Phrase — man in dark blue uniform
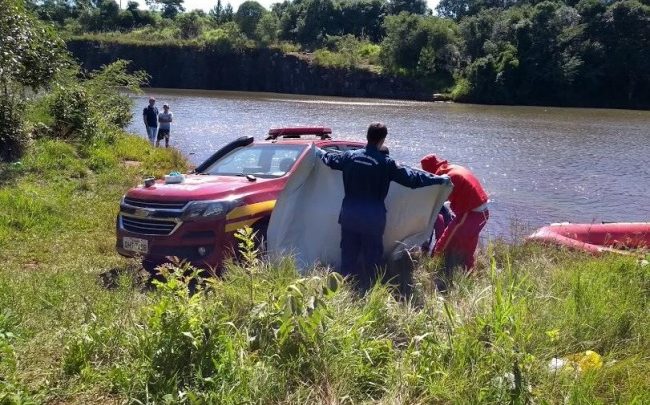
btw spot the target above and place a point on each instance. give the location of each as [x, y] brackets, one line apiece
[367, 174]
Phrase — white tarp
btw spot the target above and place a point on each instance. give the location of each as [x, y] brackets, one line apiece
[304, 222]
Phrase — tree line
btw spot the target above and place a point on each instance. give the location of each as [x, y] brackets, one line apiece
[566, 52]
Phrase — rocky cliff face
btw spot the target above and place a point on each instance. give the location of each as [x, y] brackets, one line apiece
[264, 70]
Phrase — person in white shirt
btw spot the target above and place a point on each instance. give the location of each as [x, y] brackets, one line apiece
[165, 124]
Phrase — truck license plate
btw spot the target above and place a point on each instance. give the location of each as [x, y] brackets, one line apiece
[137, 245]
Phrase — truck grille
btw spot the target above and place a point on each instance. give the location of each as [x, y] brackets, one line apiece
[167, 205]
[147, 226]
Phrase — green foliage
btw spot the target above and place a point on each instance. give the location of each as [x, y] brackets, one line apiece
[71, 111]
[169, 8]
[556, 53]
[220, 14]
[13, 139]
[191, 25]
[462, 90]
[107, 16]
[407, 6]
[585, 52]
[31, 56]
[347, 52]
[362, 18]
[93, 108]
[268, 29]
[226, 38]
[426, 47]
[248, 16]
[310, 22]
[31, 52]
[10, 390]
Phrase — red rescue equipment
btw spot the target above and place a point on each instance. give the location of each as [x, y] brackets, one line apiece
[596, 238]
[297, 132]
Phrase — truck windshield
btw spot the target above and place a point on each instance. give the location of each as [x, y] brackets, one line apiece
[266, 161]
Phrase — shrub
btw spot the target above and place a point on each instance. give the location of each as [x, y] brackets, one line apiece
[226, 38]
[191, 25]
[31, 54]
[346, 52]
[73, 115]
[323, 57]
[13, 138]
[462, 90]
[91, 109]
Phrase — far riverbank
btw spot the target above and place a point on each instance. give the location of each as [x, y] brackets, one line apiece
[191, 66]
[254, 70]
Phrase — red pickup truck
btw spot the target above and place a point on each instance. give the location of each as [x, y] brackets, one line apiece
[237, 186]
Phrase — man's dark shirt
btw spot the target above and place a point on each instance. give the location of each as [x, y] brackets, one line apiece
[367, 174]
[151, 115]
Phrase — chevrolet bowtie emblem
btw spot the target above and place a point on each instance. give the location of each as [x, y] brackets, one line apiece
[141, 213]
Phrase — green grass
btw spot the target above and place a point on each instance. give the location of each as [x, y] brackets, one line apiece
[263, 334]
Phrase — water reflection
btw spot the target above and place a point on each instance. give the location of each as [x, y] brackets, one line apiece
[539, 164]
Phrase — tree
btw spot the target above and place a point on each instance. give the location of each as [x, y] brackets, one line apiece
[625, 35]
[228, 14]
[476, 31]
[317, 19]
[170, 8]
[288, 13]
[421, 46]
[191, 24]
[455, 9]
[56, 11]
[108, 13]
[363, 18]
[32, 54]
[106, 17]
[216, 12]
[248, 16]
[220, 14]
[409, 6]
[268, 28]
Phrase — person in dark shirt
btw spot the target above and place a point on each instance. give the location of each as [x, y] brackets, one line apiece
[367, 174]
[150, 117]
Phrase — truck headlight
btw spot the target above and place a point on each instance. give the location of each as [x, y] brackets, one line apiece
[208, 209]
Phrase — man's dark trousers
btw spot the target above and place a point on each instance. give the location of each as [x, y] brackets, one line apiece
[361, 256]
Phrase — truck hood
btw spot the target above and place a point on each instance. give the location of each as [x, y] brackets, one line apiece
[196, 187]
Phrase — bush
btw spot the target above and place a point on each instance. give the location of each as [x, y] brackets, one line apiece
[422, 46]
[73, 115]
[191, 25]
[462, 90]
[226, 38]
[323, 57]
[13, 138]
[31, 55]
[346, 52]
[88, 110]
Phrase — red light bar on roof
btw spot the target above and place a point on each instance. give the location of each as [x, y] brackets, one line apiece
[296, 132]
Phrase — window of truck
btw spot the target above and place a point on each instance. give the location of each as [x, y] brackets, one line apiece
[266, 161]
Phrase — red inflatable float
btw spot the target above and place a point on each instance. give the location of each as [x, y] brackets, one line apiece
[596, 238]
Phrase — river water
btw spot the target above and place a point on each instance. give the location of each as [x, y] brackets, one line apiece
[538, 164]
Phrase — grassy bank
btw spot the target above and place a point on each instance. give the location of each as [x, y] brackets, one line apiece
[265, 335]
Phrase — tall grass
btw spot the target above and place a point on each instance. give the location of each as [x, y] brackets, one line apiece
[266, 334]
